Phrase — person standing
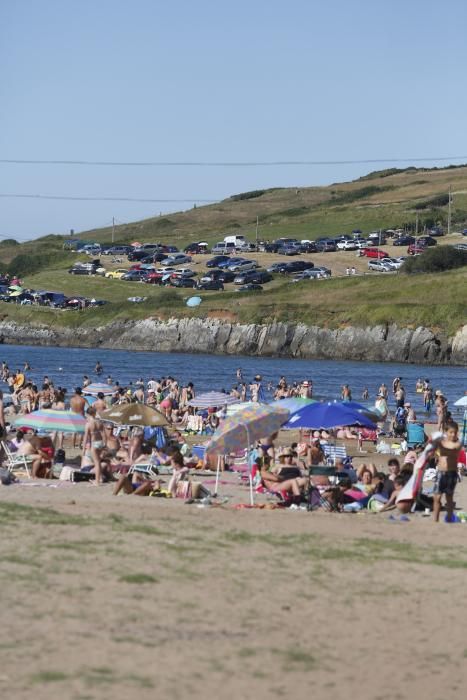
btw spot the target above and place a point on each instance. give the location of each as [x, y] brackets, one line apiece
[447, 454]
[78, 405]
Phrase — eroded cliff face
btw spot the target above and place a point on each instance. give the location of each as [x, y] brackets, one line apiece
[379, 343]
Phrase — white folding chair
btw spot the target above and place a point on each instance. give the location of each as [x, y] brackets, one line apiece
[16, 462]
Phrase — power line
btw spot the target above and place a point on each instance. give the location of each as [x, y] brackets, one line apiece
[107, 199]
[227, 164]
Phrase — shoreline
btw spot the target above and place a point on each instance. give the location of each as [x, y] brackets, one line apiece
[288, 340]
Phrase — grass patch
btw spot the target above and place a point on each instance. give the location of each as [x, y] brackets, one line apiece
[49, 677]
[138, 578]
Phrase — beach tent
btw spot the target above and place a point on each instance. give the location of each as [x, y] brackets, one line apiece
[212, 399]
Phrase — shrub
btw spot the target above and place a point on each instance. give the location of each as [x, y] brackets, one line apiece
[27, 264]
[439, 201]
[436, 260]
[8, 241]
[247, 195]
[361, 193]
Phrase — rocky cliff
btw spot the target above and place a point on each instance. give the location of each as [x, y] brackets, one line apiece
[379, 343]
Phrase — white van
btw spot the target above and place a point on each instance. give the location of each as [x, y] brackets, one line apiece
[236, 240]
[223, 248]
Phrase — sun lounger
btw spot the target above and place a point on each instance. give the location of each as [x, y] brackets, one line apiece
[16, 462]
[415, 434]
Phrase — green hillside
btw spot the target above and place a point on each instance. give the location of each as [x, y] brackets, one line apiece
[392, 198]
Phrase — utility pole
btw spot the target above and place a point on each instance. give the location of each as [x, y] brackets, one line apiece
[256, 237]
[416, 224]
[449, 210]
[113, 229]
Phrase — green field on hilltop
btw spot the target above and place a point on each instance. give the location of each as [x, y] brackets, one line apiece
[433, 300]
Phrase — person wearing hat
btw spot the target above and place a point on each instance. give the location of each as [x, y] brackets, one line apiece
[306, 390]
[411, 416]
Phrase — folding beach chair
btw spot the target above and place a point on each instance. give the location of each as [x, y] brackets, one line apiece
[415, 434]
[333, 453]
[16, 462]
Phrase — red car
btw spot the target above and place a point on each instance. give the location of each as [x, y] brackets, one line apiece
[373, 253]
[416, 249]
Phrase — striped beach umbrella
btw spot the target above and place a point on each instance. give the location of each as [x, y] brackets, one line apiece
[97, 388]
[50, 420]
[212, 399]
[256, 421]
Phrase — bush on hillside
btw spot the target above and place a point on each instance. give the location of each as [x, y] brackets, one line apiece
[439, 201]
[247, 195]
[27, 264]
[436, 260]
[8, 242]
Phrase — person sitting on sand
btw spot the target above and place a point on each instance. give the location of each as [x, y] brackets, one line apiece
[273, 482]
[403, 507]
[179, 472]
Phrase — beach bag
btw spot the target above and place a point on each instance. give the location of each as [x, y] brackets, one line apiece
[66, 474]
[6, 477]
[59, 456]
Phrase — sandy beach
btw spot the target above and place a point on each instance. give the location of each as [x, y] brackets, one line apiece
[124, 597]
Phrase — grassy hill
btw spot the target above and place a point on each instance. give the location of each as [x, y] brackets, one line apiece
[385, 199]
[391, 198]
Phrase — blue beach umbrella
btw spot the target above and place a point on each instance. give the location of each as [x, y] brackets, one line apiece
[327, 416]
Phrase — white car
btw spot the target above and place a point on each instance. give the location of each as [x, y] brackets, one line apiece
[379, 266]
[243, 266]
[347, 245]
[360, 243]
[393, 263]
[184, 272]
[166, 270]
[176, 259]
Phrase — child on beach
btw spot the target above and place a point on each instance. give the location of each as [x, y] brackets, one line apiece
[447, 477]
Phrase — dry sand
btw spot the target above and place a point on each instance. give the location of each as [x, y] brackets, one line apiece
[111, 598]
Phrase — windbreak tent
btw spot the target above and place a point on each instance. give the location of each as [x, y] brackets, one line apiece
[212, 399]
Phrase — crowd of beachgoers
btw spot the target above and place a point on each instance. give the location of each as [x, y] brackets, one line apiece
[311, 469]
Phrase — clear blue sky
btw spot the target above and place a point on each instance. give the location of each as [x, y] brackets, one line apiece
[217, 81]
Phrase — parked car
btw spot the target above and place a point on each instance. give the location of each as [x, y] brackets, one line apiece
[250, 287]
[184, 272]
[211, 285]
[222, 275]
[392, 263]
[157, 277]
[214, 262]
[176, 259]
[230, 261]
[404, 240]
[256, 276]
[436, 231]
[377, 237]
[326, 246]
[182, 282]
[373, 253]
[308, 246]
[223, 248]
[346, 245]
[135, 275]
[136, 255]
[313, 274]
[90, 268]
[296, 266]
[276, 267]
[243, 265]
[360, 243]
[116, 274]
[416, 249]
[197, 248]
[121, 250]
[427, 241]
[170, 249]
[290, 249]
[378, 266]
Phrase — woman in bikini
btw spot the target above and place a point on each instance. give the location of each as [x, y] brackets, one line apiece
[94, 439]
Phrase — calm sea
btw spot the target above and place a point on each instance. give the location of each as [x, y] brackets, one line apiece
[66, 366]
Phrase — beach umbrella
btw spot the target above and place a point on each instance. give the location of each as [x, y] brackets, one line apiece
[134, 414]
[194, 301]
[97, 388]
[15, 288]
[369, 413]
[293, 404]
[211, 399]
[327, 416]
[48, 419]
[235, 407]
[255, 421]
[241, 430]
[462, 402]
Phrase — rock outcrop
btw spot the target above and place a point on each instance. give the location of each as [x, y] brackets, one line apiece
[211, 335]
